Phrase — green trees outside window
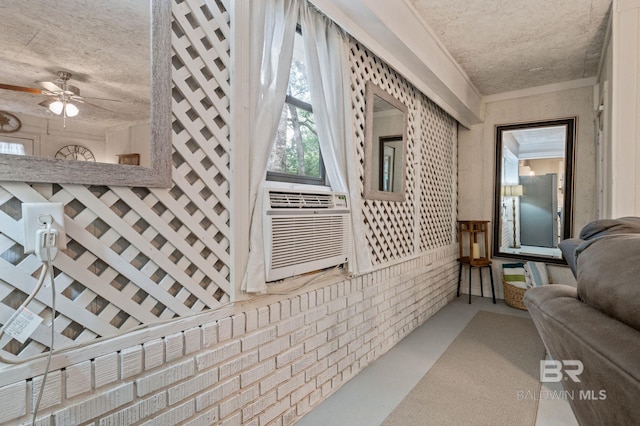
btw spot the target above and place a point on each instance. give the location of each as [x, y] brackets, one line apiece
[295, 155]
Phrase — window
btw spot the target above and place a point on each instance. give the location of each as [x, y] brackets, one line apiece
[11, 148]
[295, 155]
[16, 145]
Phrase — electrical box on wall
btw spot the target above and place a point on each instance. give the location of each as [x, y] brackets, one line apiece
[36, 216]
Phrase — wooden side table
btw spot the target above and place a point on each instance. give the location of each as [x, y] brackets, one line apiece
[474, 251]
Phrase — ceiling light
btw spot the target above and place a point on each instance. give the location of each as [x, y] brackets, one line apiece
[56, 107]
[536, 69]
[71, 110]
[62, 106]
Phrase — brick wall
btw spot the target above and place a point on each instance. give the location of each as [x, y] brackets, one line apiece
[265, 365]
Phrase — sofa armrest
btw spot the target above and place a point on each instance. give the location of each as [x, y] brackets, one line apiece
[550, 292]
[608, 349]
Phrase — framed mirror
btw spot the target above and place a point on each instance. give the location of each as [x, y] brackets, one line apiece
[385, 145]
[85, 89]
[533, 189]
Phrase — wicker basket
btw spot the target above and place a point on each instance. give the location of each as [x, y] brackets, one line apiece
[513, 295]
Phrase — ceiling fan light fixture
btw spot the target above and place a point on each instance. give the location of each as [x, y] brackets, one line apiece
[72, 110]
[56, 107]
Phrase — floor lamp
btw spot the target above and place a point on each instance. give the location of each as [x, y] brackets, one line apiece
[513, 191]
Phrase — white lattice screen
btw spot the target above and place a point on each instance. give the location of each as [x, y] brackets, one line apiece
[438, 165]
[131, 259]
[397, 229]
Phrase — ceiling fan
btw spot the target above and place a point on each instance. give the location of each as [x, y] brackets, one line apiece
[61, 95]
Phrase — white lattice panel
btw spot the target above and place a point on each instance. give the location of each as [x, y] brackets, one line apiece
[137, 255]
[392, 227]
[438, 166]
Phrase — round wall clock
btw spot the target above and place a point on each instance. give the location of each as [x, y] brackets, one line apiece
[9, 123]
[75, 152]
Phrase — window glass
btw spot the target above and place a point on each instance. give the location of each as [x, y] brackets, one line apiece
[16, 145]
[12, 148]
[295, 155]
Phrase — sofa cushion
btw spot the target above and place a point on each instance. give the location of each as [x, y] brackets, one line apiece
[609, 276]
[568, 248]
[602, 227]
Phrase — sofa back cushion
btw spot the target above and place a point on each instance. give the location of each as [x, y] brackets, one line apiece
[568, 248]
[603, 227]
[609, 276]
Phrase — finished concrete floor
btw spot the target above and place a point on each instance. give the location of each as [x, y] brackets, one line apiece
[368, 398]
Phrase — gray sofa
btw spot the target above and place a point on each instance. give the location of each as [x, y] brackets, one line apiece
[597, 323]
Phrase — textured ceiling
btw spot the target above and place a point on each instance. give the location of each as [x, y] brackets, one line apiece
[506, 45]
[540, 142]
[502, 45]
[105, 44]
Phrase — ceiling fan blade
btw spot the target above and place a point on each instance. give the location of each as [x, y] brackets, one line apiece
[101, 99]
[50, 86]
[73, 90]
[21, 89]
[47, 102]
[97, 106]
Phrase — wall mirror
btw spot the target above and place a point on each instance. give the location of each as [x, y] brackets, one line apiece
[533, 189]
[385, 145]
[85, 92]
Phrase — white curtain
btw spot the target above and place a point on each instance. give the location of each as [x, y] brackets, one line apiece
[328, 69]
[273, 24]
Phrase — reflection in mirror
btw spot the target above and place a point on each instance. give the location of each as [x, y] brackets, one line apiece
[86, 81]
[385, 149]
[533, 189]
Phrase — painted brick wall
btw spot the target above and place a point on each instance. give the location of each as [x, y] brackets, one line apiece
[270, 364]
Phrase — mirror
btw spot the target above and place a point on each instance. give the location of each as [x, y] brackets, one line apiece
[533, 189]
[85, 55]
[385, 145]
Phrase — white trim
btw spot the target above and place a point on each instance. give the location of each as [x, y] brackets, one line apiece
[627, 5]
[239, 149]
[388, 30]
[441, 46]
[625, 132]
[540, 90]
[605, 45]
[106, 345]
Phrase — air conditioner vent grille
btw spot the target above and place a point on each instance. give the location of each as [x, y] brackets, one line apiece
[300, 200]
[298, 240]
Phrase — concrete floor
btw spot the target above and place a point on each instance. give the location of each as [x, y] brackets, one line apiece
[371, 396]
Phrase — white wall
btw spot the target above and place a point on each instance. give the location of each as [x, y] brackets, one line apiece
[49, 135]
[476, 155]
[620, 90]
[129, 140]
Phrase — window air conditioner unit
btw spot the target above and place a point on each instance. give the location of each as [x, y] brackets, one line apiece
[304, 231]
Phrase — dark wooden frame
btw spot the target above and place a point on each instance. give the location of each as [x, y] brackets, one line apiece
[383, 140]
[571, 124]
